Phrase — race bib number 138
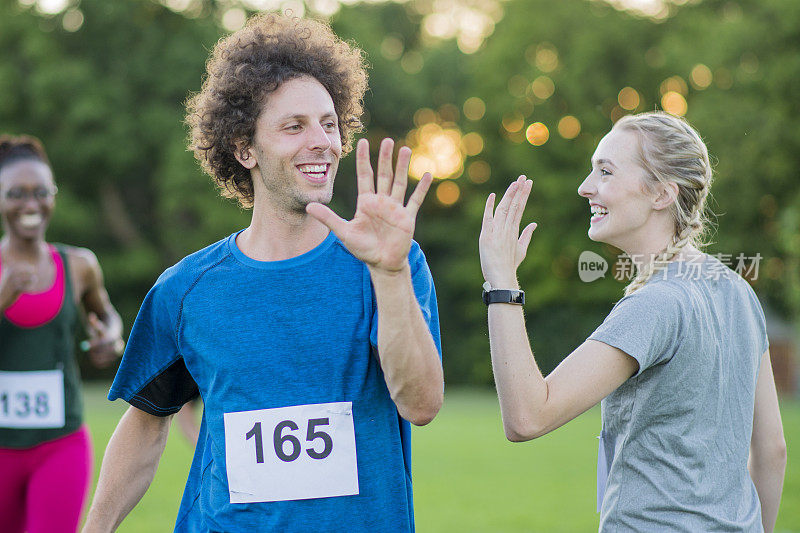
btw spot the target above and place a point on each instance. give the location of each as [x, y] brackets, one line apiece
[32, 399]
[291, 453]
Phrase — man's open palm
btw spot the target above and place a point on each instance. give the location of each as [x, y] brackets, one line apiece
[381, 231]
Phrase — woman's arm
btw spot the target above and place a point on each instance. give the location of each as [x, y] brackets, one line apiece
[104, 324]
[14, 281]
[532, 405]
[767, 463]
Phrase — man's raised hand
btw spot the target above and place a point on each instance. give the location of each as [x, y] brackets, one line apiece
[381, 231]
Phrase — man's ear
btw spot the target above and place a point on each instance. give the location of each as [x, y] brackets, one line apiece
[243, 153]
[668, 193]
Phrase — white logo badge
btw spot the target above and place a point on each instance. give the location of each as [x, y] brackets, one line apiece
[591, 266]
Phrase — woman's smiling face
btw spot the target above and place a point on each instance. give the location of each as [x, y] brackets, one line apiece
[27, 198]
[621, 205]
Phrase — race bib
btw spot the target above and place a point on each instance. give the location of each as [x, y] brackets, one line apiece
[32, 399]
[291, 453]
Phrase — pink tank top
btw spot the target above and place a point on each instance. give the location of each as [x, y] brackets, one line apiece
[35, 309]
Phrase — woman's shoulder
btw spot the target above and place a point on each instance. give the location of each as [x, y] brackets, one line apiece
[78, 256]
[81, 261]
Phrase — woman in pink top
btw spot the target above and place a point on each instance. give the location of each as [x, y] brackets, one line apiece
[45, 453]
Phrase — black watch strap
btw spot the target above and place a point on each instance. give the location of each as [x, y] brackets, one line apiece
[503, 296]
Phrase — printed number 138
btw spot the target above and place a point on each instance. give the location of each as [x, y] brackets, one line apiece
[279, 440]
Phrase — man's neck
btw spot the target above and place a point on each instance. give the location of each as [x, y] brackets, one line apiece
[277, 235]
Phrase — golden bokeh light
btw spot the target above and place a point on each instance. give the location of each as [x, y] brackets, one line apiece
[392, 47]
[617, 113]
[448, 112]
[439, 25]
[628, 98]
[516, 137]
[420, 164]
[513, 122]
[546, 57]
[543, 56]
[73, 20]
[674, 103]
[469, 43]
[701, 77]
[437, 147]
[234, 18]
[448, 192]
[524, 107]
[479, 171]
[543, 87]
[474, 108]
[472, 143]
[674, 84]
[569, 127]
[470, 23]
[424, 116]
[537, 134]
[412, 62]
[517, 85]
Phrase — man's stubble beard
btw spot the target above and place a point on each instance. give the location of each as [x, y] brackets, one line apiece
[290, 197]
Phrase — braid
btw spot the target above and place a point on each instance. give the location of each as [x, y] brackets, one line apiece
[670, 150]
[643, 275]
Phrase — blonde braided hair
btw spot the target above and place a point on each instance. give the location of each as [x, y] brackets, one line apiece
[670, 150]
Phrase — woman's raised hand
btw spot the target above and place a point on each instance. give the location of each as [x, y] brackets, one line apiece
[502, 247]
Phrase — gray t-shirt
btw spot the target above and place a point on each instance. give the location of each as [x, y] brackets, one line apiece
[676, 436]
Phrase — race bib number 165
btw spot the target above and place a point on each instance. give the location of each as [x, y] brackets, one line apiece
[291, 453]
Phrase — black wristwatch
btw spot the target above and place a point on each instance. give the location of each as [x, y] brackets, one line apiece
[502, 296]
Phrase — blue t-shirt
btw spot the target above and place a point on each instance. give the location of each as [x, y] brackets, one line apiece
[249, 335]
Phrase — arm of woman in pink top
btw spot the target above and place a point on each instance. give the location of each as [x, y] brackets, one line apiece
[104, 324]
[14, 280]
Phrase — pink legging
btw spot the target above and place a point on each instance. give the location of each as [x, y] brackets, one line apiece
[43, 488]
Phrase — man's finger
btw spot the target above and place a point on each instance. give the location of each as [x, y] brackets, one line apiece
[401, 174]
[364, 177]
[385, 175]
[323, 213]
[489, 209]
[418, 196]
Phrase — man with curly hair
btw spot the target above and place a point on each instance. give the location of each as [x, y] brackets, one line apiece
[313, 341]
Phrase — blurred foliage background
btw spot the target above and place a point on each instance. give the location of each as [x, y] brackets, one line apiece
[483, 90]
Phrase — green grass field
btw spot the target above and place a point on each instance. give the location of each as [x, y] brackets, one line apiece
[467, 477]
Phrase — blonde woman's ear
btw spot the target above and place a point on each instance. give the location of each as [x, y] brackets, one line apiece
[668, 193]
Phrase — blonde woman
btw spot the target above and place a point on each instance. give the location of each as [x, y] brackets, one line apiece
[681, 365]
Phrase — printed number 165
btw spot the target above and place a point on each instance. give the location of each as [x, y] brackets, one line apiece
[279, 440]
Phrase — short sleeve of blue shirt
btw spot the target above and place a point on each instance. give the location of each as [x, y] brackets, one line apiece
[152, 375]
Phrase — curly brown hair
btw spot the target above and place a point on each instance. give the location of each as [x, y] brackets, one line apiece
[245, 67]
[15, 148]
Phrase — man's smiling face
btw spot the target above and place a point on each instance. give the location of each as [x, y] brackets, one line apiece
[297, 145]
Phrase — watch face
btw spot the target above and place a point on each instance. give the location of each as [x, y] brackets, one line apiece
[486, 286]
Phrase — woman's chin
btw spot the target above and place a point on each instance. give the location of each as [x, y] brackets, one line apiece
[594, 234]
